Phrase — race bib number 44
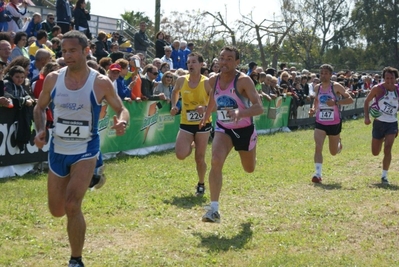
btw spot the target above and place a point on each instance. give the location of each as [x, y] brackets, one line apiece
[72, 130]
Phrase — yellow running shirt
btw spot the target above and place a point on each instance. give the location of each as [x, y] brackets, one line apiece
[191, 99]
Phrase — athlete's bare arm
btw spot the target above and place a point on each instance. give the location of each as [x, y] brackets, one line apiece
[175, 95]
[339, 89]
[376, 90]
[39, 112]
[105, 90]
[246, 87]
[312, 111]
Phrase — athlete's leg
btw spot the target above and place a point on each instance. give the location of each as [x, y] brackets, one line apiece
[319, 137]
[389, 140]
[221, 147]
[201, 143]
[183, 144]
[80, 176]
[56, 188]
[333, 141]
[376, 146]
[248, 159]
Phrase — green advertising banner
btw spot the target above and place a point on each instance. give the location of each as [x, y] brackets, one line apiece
[152, 126]
[280, 107]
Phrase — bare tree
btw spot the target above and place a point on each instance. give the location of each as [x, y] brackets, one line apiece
[275, 29]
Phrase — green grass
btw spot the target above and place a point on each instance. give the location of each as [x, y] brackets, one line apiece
[147, 214]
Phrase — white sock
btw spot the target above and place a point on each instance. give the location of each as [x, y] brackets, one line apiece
[318, 169]
[384, 173]
[215, 205]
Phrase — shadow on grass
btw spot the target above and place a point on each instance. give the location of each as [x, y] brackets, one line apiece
[387, 187]
[329, 186]
[216, 242]
[186, 202]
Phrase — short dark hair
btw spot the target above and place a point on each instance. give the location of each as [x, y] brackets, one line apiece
[55, 28]
[16, 69]
[232, 49]
[19, 35]
[327, 67]
[390, 70]
[82, 39]
[198, 55]
[41, 34]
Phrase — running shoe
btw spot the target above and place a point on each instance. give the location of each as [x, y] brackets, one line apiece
[384, 180]
[316, 179]
[75, 263]
[200, 190]
[98, 179]
[211, 216]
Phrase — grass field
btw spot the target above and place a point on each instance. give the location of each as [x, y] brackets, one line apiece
[147, 215]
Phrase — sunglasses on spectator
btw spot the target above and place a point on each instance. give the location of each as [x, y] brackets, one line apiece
[155, 73]
[51, 18]
[168, 77]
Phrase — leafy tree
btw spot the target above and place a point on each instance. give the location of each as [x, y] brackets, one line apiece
[378, 23]
[319, 23]
[134, 19]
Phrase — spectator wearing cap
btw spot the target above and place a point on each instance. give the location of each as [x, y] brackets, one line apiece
[271, 71]
[251, 67]
[113, 74]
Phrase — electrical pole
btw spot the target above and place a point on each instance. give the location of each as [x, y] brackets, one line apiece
[157, 15]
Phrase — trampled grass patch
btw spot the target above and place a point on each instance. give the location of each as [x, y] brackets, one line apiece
[147, 215]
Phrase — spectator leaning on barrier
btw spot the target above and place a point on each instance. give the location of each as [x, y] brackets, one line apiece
[148, 84]
[23, 103]
[123, 91]
[5, 102]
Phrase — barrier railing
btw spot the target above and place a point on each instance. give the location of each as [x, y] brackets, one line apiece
[151, 128]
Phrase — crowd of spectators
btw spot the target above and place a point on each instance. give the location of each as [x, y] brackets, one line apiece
[30, 48]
